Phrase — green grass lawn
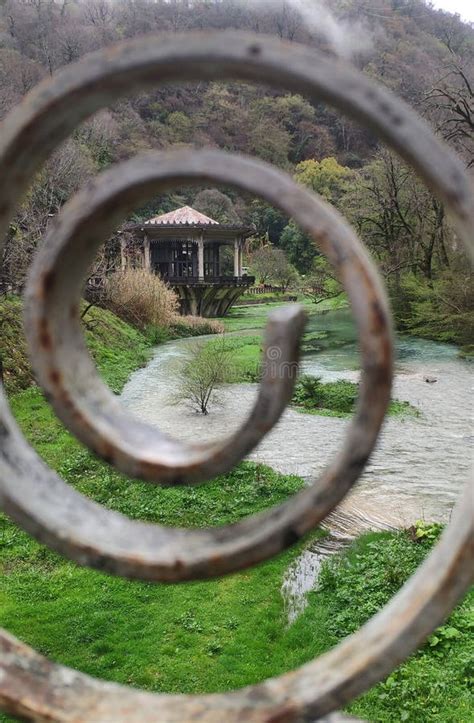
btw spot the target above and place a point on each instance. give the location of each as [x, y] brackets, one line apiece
[240, 318]
[185, 637]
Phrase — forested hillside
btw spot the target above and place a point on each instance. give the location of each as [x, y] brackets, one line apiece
[425, 56]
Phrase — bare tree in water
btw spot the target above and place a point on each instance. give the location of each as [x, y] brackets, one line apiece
[207, 367]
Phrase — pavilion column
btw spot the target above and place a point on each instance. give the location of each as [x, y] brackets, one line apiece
[201, 259]
[146, 253]
[237, 270]
[241, 254]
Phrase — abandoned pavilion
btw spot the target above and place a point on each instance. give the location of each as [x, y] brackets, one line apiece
[184, 248]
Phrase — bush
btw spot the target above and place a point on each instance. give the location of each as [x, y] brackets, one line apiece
[338, 398]
[196, 326]
[158, 335]
[442, 310]
[207, 367]
[312, 393]
[141, 298]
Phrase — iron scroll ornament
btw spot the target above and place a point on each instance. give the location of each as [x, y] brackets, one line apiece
[35, 497]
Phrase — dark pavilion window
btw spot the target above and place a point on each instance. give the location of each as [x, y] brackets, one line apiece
[211, 260]
[174, 259]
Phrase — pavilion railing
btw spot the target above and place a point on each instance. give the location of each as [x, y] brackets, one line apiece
[56, 514]
[233, 280]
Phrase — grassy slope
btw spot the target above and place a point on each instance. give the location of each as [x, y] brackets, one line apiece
[117, 347]
[163, 637]
[97, 623]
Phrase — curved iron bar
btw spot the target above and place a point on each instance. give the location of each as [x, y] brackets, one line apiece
[93, 535]
[68, 375]
[31, 686]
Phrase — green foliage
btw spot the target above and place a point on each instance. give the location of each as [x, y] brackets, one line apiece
[311, 393]
[158, 334]
[179, 127]
[326, 177]
[117, 348]
[391, 560]
[320, 284]
[268, 221]
[300, 249]
[269, 141]
[330, 180]
[435, 684]
[441, 310]
[336, 398]
[217, 205]
[427, 530]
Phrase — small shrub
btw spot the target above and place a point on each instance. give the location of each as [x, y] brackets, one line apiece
[308, 391]
[141, 298]
[422, 530]
[206, 368]
[312, 393]
[158, 334]
[340, 396]
[196, 326]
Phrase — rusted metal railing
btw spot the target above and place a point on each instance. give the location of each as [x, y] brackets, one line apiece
[44, 505]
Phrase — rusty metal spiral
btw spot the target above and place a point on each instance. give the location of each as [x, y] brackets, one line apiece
[35, 497]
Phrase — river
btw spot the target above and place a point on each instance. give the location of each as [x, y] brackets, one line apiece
[420, 463]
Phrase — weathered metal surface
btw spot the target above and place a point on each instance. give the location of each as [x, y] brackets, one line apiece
[33, 495]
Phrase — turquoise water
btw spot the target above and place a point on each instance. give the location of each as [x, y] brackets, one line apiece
[420, 463]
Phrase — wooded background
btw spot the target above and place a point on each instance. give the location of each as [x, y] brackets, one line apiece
[424, 55]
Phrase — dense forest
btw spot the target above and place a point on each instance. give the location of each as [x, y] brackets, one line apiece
[424, 55]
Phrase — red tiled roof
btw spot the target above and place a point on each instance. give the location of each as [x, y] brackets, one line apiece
[185, 216]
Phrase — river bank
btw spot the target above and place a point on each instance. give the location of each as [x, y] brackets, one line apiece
[420, 462]
[208, 636]
[417, 470]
